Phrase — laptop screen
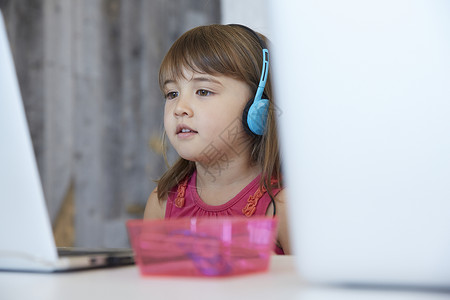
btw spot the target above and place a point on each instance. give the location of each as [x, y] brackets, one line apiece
[363, 91]
[24, 222]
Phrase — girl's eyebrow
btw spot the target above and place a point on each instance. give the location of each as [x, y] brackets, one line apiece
[207, 79]
[168, 81]
[197, 79]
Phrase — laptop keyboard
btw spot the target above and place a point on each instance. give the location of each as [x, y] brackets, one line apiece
[68, 251]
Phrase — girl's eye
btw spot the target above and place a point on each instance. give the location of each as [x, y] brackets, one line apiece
[204, 93]
[171, 95]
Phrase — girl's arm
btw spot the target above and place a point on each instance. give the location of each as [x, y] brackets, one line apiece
[154, 209]
[282, 215]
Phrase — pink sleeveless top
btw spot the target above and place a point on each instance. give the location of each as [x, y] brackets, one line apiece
[184, 201]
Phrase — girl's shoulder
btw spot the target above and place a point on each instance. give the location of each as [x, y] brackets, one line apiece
[280, 196]
[155, 207]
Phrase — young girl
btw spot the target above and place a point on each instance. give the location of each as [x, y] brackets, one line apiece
[229, 158]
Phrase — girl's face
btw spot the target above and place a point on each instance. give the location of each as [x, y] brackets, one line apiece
[203, 116]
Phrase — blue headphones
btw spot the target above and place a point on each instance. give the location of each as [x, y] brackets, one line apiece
[255, 113]
[259, 108]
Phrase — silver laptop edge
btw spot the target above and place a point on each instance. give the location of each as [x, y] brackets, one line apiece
[26, 238]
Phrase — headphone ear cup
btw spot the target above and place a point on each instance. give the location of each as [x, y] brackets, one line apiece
[255, 116]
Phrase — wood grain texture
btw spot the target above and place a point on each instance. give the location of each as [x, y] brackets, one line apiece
[87, 71]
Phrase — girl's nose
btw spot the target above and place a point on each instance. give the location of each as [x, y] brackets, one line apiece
[183, 107]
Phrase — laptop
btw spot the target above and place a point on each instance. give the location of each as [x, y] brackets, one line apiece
[26, 238]
[363, 98]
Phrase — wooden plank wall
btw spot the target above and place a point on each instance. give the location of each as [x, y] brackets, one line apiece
[88, 75]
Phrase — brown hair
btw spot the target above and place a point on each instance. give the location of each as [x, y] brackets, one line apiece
[233, 51]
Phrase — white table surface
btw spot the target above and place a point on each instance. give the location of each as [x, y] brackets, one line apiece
[280, 282]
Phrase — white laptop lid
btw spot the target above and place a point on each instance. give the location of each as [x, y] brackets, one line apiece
[26, 237]
[24, 221]
[363, 91]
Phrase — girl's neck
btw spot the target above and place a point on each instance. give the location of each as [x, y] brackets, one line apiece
[209, 177]
[217, 184]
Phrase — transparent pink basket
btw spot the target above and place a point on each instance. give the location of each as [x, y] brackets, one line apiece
[203, 246]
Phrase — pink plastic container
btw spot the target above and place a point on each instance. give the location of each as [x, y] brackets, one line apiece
[203, 246]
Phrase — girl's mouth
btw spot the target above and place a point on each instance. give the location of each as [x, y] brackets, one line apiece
[184, 131]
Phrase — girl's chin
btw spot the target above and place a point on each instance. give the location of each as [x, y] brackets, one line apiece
[188, 156]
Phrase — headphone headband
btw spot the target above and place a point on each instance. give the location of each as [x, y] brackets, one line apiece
[262, 43]
[264, 73]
